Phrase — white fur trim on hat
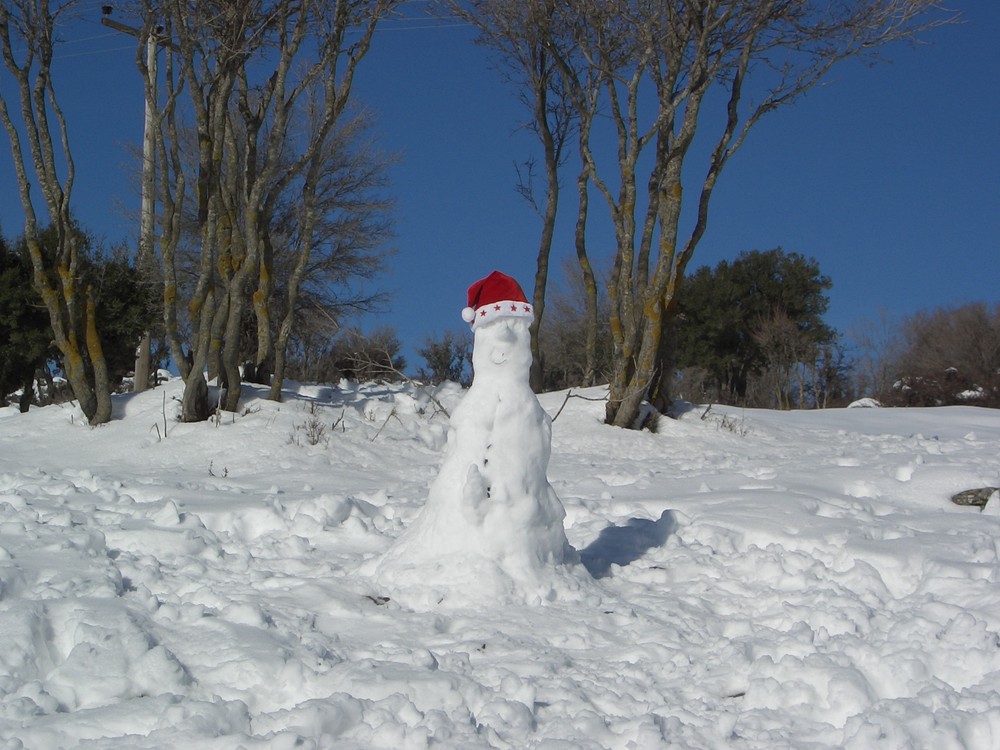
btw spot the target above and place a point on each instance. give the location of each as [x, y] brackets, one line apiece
[496, 310]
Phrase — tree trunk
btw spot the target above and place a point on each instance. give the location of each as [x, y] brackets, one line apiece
[262, 371]
[24, 403]
[280, 358]
[631, 387]
[64, 328]
[194, 404]
[550, 148]
[660, 396]
[140, 380]
[231, 352]
[294, 282]
[76, 376]
[102, 382]
[262, 310]
[589, 282]
[541, 282]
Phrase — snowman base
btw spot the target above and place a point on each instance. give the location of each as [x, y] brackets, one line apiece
[461, 581]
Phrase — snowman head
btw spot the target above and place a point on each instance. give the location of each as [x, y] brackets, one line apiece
[500, 316]
[502, 349]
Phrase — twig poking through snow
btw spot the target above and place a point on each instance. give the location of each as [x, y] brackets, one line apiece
[391, 415]
[569, 395]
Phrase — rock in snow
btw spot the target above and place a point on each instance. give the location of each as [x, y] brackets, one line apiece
[978, 497]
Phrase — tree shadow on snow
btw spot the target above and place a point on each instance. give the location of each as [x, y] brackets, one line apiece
[621, 545]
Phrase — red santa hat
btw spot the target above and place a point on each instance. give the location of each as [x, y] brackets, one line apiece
[496, 296]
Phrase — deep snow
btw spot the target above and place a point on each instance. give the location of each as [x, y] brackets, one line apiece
[762, 579]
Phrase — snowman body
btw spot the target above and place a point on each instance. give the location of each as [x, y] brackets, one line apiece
[492, 520]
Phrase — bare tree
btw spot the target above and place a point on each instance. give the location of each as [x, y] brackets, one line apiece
[326, 232]
[518, 31]
[801, 370]
[876, 342]
[613, 54]
[686, 51]
[251, 73]
[573, 351]
[40, 149]
[784, 347]
[448, 358]
[950, 355]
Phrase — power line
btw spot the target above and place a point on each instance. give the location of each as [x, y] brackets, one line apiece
[87, 38]
[410, 23]
[95, 52]
[420, 28]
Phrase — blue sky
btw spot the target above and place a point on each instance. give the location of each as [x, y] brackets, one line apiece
[888, 175]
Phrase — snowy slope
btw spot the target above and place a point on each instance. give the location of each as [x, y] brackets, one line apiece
[761, 580]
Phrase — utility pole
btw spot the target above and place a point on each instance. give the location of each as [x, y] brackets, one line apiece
[146, 220]
[140, 381]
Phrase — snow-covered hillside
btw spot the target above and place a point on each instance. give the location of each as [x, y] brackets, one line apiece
[760, 580]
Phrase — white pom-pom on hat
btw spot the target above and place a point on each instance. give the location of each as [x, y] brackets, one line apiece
[468, 314]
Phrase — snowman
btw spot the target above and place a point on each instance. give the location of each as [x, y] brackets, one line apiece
[492, 526]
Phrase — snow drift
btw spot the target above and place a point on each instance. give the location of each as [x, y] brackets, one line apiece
[759, 580]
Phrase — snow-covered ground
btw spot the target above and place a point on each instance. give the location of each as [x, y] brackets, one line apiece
[760, 580]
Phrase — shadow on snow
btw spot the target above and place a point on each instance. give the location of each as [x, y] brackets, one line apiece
[621, 545]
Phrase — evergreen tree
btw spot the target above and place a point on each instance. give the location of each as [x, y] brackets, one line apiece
[723, 309]
[25, 333]
[126, 308]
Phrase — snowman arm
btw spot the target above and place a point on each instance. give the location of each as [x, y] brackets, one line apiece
[475, 494]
